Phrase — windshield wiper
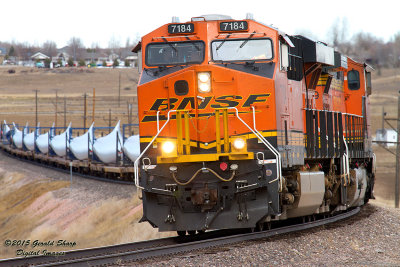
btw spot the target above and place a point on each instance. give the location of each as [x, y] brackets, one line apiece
[223, 41]
[245, 41]
[225, 62]
[193, 43]
[170, 45]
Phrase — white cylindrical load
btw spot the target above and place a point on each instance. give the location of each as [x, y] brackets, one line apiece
[42, 142]
[132, 147]
[6, 130]
[17, 137]
[81, 145]
[105, 148]
[29, 139]
[59, 143]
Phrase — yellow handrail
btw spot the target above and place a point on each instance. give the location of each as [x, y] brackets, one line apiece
[217, 132]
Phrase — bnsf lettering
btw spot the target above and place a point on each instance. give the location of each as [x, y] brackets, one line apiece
[255, 98]
[219, 102]
[185, 102]
[205, 103]
[162, 104]
[226, 102]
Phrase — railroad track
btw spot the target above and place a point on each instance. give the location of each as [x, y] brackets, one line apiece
[63, 170]
[131, 252]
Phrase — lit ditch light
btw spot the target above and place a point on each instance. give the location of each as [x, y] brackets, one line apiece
[238, 145]
[169, 149]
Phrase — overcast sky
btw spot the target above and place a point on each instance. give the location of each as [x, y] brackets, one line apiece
[97, 21]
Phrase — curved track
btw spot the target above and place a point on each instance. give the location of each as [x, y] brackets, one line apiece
[9, 153]
[131, 252]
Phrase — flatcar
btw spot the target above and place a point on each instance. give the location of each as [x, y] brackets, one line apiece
[241, 125]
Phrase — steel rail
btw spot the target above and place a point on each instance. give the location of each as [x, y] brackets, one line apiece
[160, 247]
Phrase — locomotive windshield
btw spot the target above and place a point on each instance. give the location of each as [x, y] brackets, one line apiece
[174, 53]
[242, 49]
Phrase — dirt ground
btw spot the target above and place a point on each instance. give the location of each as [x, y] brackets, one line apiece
[42, 204]
[113, 89]
[385, 93]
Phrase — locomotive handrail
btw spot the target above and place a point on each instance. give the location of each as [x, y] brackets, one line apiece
[136, 164]
[265, 142]
[346, 167]
[373, 163]
[255, 131]
[270, 147]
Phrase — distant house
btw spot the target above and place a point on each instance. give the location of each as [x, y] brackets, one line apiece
[3, 53]
[60, 57]
[131, 57]
[94, 57]
[387, 136]
[132, 60]
[39, 56]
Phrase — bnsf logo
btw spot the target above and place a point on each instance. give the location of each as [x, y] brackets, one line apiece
[219, 102]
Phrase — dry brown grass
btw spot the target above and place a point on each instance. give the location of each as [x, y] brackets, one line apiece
[385, 94]
[17, 98]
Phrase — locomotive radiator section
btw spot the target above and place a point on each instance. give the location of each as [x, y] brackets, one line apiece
[248, 195]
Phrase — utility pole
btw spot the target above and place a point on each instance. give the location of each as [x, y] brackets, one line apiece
[396, 191]
[109, 120]
[65, 111]
[55, 114]
[94, 103]
[84, 111]
[383, 119]
[129, 118]
[36, 109]
[119, 89]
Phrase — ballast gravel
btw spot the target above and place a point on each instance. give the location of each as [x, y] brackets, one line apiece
[370, 238]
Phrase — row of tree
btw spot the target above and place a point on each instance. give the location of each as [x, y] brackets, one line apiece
[365, 47]
[75, 48]
[362, 46]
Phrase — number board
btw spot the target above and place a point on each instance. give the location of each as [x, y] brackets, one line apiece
[233, 26]
[180, 28]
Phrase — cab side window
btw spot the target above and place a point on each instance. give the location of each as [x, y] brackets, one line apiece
[353, 79]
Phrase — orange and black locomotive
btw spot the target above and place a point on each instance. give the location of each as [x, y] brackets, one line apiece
[241, 125]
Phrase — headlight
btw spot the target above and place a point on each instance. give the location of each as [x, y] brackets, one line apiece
[168, 146]
[204, 88]
[204, 77]
[239, 143]
[204, 82]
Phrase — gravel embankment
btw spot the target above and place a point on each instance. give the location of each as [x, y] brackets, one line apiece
[92, 190]
[371, 238]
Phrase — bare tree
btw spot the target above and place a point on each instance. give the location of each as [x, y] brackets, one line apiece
[75, 47]
[128, 42]
[49, 48]
[395, 50]
[338, 35]
[115, 46]
[366, 47]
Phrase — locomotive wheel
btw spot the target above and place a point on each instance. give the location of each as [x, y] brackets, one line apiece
[192, 232]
